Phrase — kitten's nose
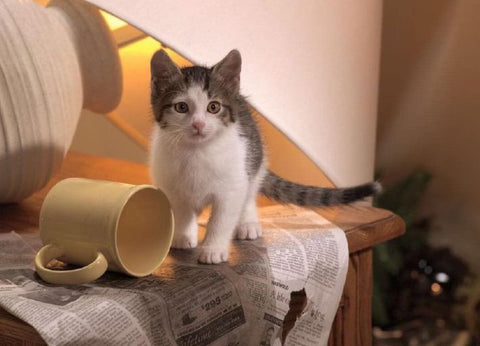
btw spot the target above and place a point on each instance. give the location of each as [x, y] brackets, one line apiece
[198, 125]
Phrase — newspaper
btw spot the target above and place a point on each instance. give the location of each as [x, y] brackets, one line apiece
[301, 261]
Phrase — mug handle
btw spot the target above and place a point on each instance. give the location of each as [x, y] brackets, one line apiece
[79, 276]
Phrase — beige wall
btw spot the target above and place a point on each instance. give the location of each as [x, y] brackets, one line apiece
[429, 111]
[96, 135]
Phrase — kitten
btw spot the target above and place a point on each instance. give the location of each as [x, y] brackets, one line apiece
[206, 150]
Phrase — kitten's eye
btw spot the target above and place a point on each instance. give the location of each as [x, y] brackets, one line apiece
[214, 107]
[181, 107]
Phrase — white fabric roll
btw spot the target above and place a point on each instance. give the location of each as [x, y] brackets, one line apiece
[48, 57]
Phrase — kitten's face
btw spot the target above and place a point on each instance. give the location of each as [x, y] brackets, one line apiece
[194, 104]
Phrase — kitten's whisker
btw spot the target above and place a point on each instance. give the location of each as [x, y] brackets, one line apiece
[174, 137]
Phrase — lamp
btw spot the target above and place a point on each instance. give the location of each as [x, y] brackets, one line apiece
[311, 68]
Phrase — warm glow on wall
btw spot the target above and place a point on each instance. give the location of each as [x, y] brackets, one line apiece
[112, 21]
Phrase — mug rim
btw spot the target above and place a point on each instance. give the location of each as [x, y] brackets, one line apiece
[134, 190]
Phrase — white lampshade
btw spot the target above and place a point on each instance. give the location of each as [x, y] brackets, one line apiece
[310, 67]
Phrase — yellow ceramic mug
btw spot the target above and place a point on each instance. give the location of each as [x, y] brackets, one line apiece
[101, 224]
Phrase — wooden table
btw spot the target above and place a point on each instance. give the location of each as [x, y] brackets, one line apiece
[364, 227]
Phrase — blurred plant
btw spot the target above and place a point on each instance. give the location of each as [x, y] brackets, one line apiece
[388, 258]
[421, 292]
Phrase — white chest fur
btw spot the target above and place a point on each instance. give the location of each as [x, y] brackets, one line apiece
[195, 174]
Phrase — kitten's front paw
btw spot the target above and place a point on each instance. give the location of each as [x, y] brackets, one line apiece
[183, 241]
[213, 254]
[248, 230]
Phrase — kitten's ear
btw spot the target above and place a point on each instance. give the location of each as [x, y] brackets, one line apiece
[163, 71]
[228, 70]
[162, 66]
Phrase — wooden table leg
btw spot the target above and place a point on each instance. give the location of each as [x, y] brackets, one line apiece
[353, 322]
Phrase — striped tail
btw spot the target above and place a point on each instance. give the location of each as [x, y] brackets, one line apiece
[284, 191]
